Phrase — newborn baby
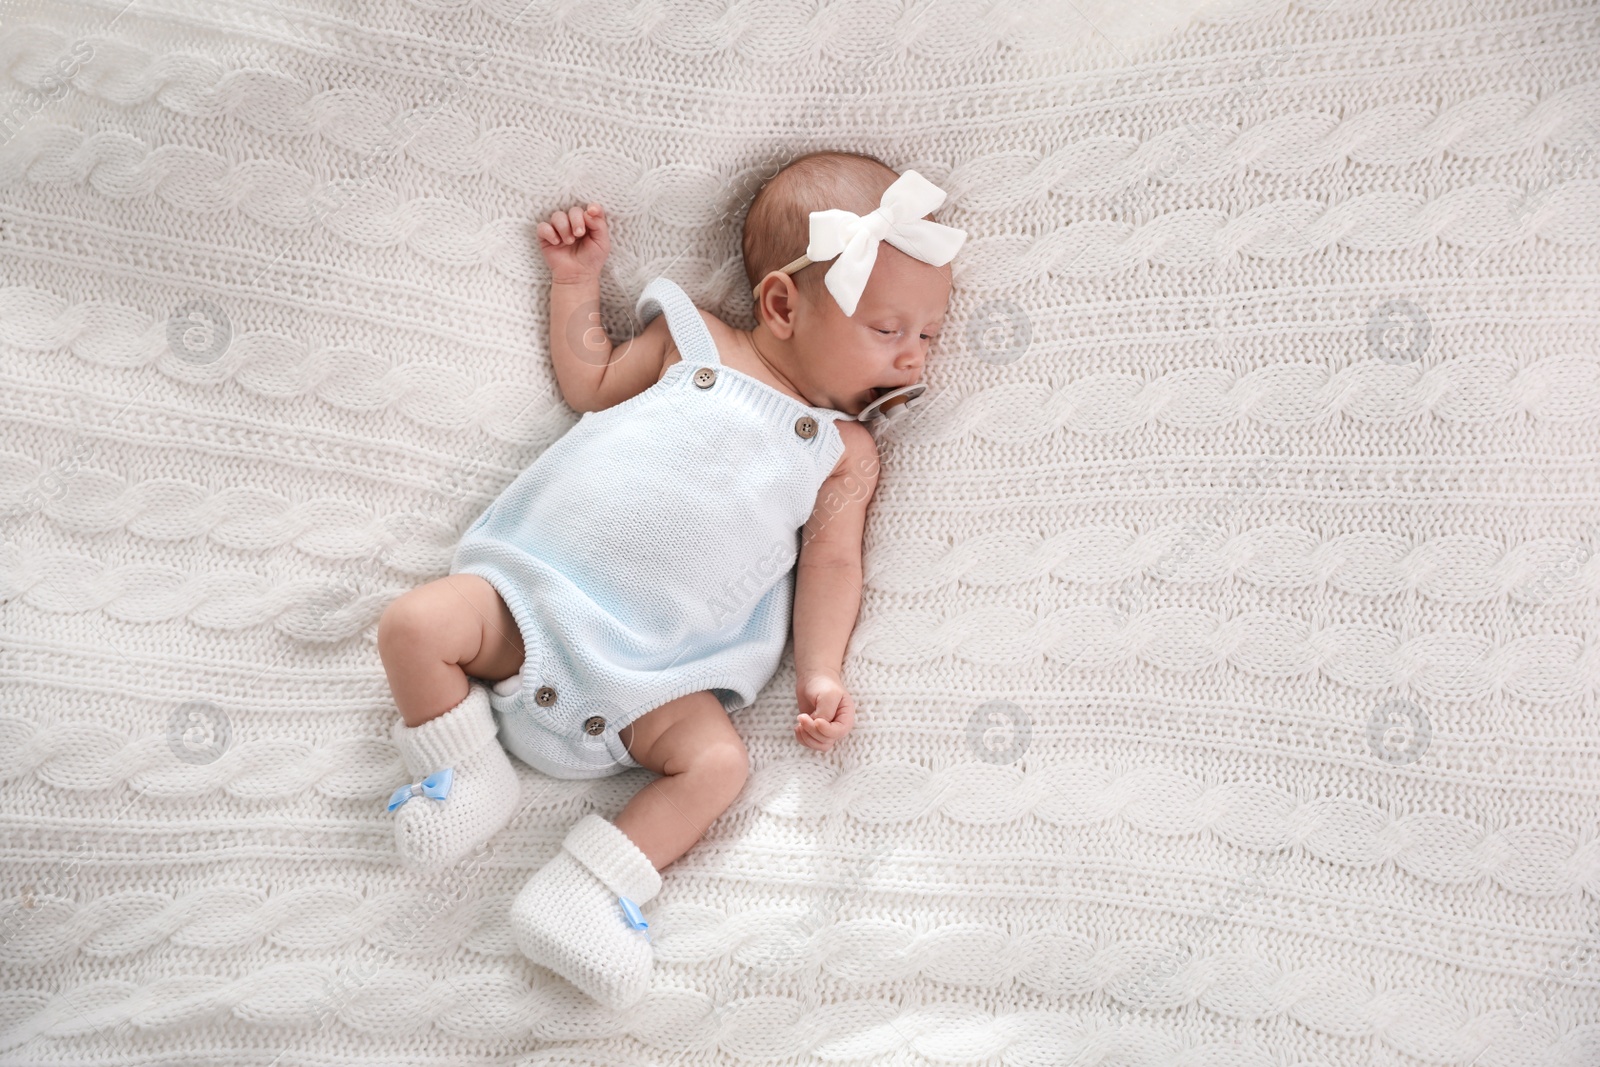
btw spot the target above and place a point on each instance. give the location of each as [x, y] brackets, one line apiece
[635, 584]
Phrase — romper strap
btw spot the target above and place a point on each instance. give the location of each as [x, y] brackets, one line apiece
[688, 329]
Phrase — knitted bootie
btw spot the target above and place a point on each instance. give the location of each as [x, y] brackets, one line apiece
[470, 792]
[570, 916]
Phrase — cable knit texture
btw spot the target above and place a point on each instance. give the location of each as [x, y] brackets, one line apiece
[568, 917]
[1229, 643]
[484, 789]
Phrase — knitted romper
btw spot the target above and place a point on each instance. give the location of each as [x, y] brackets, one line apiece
[649, 553]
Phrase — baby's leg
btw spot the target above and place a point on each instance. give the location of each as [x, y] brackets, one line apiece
[432, 637]
[572, 915]
[692, 743]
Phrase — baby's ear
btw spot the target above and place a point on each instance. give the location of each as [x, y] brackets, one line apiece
[779, 302]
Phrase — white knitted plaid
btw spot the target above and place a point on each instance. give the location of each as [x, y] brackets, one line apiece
[1227, 661]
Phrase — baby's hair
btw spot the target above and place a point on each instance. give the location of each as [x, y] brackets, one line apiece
[777, 228]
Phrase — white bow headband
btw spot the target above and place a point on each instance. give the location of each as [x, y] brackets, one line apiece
[854, 238]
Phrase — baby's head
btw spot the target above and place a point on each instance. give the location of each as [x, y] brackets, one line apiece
[837, 360]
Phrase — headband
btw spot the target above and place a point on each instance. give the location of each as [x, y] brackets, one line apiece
[854, 238]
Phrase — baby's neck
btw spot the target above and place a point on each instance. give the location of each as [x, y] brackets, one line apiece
[776, 356]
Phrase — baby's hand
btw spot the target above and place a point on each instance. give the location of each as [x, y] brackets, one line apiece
[827, 711]
[575, 243]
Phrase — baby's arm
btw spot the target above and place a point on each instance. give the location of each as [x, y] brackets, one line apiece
[592, 373]
[828, 591]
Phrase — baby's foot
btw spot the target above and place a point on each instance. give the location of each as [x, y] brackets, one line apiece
[570, 917]
[463, 789]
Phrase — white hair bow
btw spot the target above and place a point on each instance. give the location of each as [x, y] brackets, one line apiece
[854, 238]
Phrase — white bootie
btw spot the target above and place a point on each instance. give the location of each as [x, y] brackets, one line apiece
[470, 790]
[570, 917]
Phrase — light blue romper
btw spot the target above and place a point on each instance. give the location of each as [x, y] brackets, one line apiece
[649, 553]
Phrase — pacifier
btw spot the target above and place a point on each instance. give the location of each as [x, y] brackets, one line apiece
[893, 404]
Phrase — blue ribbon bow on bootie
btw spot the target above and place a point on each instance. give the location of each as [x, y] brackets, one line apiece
[634, 917]
[435, 786]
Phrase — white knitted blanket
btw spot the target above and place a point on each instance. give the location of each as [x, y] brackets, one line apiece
[1230, 642]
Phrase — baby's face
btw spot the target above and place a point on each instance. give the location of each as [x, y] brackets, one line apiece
[884, 345]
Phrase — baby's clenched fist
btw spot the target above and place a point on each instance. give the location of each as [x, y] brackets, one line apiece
[575, 243]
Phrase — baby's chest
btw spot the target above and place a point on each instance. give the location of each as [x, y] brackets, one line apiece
[729, 354]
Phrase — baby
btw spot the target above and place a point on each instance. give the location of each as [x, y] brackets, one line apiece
[635, 584]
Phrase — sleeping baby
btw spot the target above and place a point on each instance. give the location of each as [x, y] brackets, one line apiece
[635, 585]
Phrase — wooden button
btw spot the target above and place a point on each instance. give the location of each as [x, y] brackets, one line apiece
[594, 725]
[545, 696]
[805, 426]
[704, 377]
